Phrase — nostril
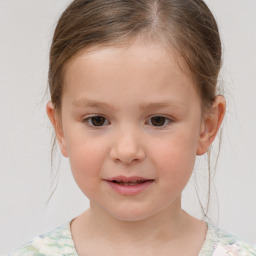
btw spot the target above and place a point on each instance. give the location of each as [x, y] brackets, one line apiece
[127, 152]
[128, 159]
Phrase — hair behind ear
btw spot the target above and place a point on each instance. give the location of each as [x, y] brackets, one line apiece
[211, 124]
[56, 123]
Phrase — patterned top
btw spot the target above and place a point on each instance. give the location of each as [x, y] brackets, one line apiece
[59, 242]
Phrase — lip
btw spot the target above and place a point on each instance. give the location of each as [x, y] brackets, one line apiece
[127, 179]
[129, 190]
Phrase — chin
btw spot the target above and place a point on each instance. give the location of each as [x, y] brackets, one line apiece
[129, 218]
[131, 215]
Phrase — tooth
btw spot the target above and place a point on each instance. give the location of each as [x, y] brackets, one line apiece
[130, 182]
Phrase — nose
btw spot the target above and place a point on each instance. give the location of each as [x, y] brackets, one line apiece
[127, 147]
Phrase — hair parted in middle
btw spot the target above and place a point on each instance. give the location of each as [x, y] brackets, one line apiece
[187, 26]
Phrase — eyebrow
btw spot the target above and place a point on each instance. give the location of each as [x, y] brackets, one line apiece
[164, 104]
[91, 103]
[142, 106]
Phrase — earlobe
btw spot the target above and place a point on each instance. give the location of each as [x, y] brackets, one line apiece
[56, 123]
[211, 124]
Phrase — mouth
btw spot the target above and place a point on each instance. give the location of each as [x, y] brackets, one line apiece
[133, 180]
[129, 185]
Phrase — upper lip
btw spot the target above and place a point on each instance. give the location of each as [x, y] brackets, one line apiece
[128, 179]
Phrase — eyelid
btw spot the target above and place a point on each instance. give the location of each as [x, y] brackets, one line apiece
[170, 121]
[87, 118]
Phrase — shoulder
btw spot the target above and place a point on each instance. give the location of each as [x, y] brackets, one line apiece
[230, 244]
[56, 242]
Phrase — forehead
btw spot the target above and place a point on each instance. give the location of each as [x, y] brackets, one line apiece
[148, 66]
[136, 51]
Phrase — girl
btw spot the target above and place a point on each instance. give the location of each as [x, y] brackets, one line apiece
[133, 102]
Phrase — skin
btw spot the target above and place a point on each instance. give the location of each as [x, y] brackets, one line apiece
[129, 143]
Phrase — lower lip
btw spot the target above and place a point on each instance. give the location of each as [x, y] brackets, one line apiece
[130, 190]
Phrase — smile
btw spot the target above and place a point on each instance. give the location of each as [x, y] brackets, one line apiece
[129, 183]
[129, 186]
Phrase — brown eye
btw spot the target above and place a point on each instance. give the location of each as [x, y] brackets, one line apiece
[96, 120]
[159, 120]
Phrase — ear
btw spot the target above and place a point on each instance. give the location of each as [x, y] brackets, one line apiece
[211, 124]
[56, 122]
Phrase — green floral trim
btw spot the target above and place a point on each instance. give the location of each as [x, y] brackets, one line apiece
[59, 242]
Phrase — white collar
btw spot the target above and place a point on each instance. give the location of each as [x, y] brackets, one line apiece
[220, 251]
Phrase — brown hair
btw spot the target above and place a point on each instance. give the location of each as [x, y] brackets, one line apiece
[186, 25]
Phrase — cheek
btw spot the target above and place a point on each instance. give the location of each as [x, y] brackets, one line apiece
[86, 158]
[175, 159]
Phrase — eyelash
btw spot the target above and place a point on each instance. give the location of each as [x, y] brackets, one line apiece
[89, 119]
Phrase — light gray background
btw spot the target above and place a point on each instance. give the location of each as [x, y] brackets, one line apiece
[26, 28]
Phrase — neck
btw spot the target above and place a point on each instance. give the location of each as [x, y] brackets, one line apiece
[166, 225]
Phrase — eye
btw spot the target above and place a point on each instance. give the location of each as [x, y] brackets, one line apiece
[96, 121]
[159, 121]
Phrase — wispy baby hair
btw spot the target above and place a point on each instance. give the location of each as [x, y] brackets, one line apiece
[186, 25]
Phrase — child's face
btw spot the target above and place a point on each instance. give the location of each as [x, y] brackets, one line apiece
[135, 84]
